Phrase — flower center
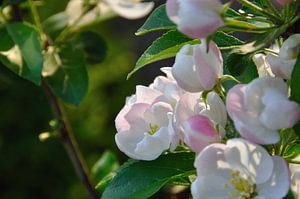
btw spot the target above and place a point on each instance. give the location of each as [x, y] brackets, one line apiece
[153, 129]
[244, 188]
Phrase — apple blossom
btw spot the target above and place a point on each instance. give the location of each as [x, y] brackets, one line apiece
[199, 124]
[168, 86]
[75, 9]
[130, 9]
[263, 68]
[195, 18]
[283, 64]
[144, 124]
[195, 69]
[239, 169]
[261, 108]
[295, 177]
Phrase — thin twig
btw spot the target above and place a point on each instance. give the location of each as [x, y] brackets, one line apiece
[69, 142]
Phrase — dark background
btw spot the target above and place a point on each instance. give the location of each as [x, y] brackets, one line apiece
[30, 168]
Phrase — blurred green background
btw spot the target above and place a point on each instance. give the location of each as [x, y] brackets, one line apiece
[30, 168]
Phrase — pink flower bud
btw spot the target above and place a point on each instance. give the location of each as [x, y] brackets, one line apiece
[195, 69]
[199, 132]
[196, 18]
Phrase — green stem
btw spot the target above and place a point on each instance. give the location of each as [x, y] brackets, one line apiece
[272, 8]
[260, 10]
[61, 37]
[244, 26]
[293, 161]
[36, 17]
[70, 143]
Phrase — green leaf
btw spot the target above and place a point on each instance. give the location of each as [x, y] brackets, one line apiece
[158, 20]
[292, 152]
[295, 81]
[55, 22]
[225, 40]
[70, 80]
[93, 46]
[16, 64]
[262, 40]
[295, 88]
[141, 179]
[102, 184]
[6, 42]
[242, 67]
[164, 47]
[105, 165]
[27, 39]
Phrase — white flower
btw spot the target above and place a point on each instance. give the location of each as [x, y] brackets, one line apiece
[196, 18]
[263, 69]
[239, 169]
[295, 178]
[195, 69]
[144, 124]
[75, 9]
[196, 123]
[130, 9]
[261, 108]
[283, 64]
[168, 86]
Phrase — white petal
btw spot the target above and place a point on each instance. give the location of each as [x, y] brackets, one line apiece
[262, 66]
[146, 95]
[131, 116]
[280, 114]
[211, 160]
[281, 67]
[211, 187]
[217, 110]
[278, 184]
[130, 9]
[184, 70]
[127, 141]
[157, 114]
[152, 146]
[209, 65]
[295, 178]
[245, 118]
[255, 90]
[290, 47]
[250, 159]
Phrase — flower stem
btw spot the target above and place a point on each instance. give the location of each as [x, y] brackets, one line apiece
[293, 161]
[35, 16]
[69, 142]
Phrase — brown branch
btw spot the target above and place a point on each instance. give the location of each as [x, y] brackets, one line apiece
[69, 142]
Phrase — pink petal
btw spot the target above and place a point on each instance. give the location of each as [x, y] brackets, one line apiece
[199, 132]
[172, 7]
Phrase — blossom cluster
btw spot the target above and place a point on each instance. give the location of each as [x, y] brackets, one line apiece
[188, 107]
